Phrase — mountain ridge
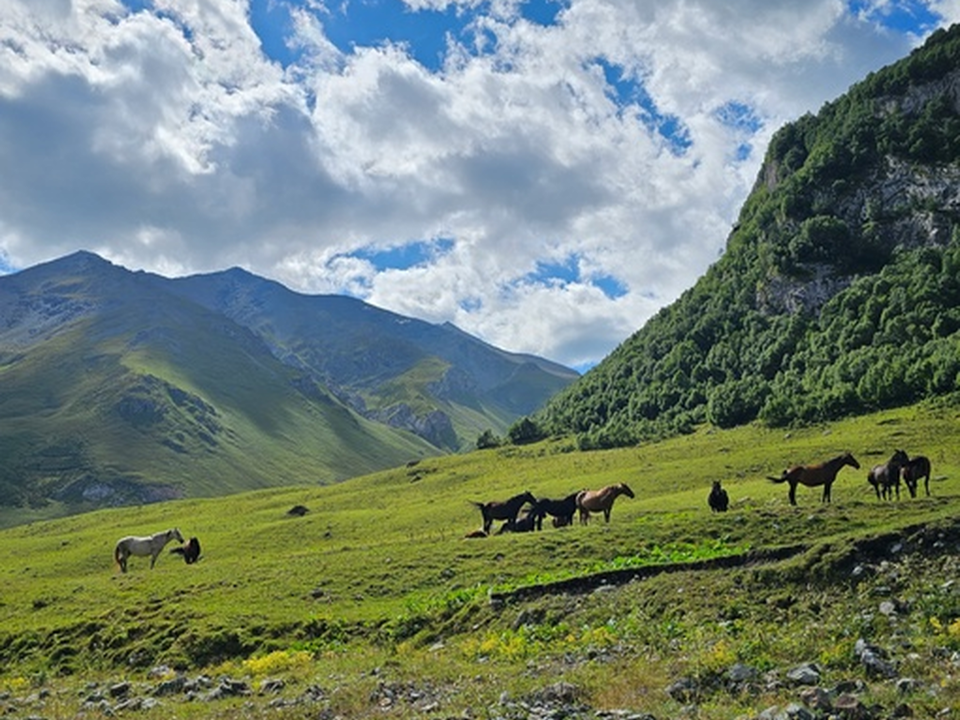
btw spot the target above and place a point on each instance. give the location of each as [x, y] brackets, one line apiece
[119, 387]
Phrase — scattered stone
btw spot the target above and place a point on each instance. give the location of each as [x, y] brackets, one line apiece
[271, 686]
[797, 712]
[684, 690]
[908, 685]
[806, 674]
[118, 690]
[173, 686]
[849, 707]
[816, 698]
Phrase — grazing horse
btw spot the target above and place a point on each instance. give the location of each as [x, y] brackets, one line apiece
[886, 478]
[718, 499]
[151, 545]
[506, 510]
[815, 475]
[561, 510]
[589, 501]
[918, 467]
[190, 551]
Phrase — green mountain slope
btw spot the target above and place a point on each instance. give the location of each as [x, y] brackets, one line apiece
[433, 380]
[839, 291]
[373, 599]
[113, 391]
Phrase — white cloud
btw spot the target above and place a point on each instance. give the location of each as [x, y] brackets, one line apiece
[168, 141]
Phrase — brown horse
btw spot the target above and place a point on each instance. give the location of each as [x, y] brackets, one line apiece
[561, 510]
[886, 478]
[505, 510]
[589, 501]
[918, 467]
[815, 475]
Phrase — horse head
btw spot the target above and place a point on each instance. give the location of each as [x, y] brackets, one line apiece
[177, 535]
[900, 458]
[850, 460]
[625, 490]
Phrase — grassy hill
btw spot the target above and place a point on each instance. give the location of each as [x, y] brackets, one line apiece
[374, 599]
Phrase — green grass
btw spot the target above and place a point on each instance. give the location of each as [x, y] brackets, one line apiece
[379, 574]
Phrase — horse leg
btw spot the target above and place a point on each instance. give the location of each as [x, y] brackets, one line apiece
[793, 493]
[826, 492]
[606, 514]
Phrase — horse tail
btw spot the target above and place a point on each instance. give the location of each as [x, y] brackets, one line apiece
[782, 478]
[118, 554]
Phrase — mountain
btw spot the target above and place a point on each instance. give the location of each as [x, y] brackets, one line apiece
[838, 292]
[122, 387]
[434, 380]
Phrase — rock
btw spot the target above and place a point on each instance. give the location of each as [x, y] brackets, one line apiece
[806, 674]
[849, 707]
[120, 689]
[816, 698]
[684, 690]
[271, 686]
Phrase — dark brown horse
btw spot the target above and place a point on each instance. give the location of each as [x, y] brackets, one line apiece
[505, 510]
[562, 510]
[527, 522]
[918, 467]
[886, 478]
[718, 500]
[589, 501]
[815, 475]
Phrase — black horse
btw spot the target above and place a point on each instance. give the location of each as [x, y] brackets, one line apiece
[190, 551]
[886, 478]
[503, 510]
[561, 510]
[718, 499]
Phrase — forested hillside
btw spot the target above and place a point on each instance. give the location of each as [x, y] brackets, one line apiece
[839, 291]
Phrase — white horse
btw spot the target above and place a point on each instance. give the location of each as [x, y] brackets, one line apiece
[142, 546]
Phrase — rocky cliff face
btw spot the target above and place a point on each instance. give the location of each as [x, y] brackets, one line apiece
[897, 204]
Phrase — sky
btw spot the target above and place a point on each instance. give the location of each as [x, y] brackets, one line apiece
[544, 174]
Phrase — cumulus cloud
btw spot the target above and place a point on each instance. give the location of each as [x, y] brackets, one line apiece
[616, 140]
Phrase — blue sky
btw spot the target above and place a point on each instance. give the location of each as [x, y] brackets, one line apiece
[545, 175]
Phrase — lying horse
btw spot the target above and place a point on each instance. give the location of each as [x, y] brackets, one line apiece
[525, 523]
[886, 478]
[918, 467]
[190, 551]
[143, 546]
[589, 501]
[561, 510]
[718, 499]
[815, 475]
[506, 510]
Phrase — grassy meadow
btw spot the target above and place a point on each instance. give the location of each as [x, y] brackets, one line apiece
[377, 582]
